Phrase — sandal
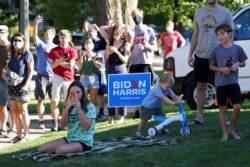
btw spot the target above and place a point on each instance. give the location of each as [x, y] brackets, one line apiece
[15, 140]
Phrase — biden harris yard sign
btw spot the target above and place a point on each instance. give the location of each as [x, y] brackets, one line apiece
[127, 89]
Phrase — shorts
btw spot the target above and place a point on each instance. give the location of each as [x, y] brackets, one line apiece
[201, 69]
[43, 86]
[84, 146]
[231, 91]
[146, 113]
[3, 94]
[90, 81]
[141, 68]
[15, 94]
[59, 88]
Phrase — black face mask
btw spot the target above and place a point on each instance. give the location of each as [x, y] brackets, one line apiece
[137, 20]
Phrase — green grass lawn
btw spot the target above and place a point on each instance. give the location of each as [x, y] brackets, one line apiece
[202, 148]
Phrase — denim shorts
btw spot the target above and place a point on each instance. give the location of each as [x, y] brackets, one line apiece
[90, 81]
[3, 94]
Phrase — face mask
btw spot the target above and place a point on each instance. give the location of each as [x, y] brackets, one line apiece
[17, 45]
[4, 37]
[137, 20]
[116, 37]
[89, 46]
[169, 29]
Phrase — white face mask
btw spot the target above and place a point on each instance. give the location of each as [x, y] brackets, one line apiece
[89, 46]
[116, 37]
[4, 37]
[17, 45]
[169, 29]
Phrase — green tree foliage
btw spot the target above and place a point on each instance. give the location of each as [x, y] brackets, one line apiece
[9, 13]
[66, 14]
[180, 11]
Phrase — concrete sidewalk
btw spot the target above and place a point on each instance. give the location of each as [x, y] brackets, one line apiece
[35, 132]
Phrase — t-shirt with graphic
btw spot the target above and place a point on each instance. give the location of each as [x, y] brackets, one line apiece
[206, 20]
[170, 41]
[226, 57]
[75, 131]
[139, 54]
[42, 65]
[152, 100]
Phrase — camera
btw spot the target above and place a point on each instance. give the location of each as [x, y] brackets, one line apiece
[142, 39]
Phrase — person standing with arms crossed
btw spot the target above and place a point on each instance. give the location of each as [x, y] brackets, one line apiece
[225, 62]
[42, 67]
[203, 42]
[144, 45]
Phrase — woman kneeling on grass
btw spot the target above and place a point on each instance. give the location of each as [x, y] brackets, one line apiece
[79, 117]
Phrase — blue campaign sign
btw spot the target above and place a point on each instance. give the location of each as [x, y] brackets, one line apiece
[127, 89]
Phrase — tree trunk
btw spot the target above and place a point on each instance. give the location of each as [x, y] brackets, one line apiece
[104, 10]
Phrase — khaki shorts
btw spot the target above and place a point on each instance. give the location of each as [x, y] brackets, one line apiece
[59, 88]
[146, 113]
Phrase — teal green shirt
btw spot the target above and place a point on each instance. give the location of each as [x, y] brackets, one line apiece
[88, 65]
[75, 131]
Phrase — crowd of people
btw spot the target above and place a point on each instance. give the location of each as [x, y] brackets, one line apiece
[114, 48]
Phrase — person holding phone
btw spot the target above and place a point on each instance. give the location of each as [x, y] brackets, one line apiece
[89, 63]
[62, 59]
[79, 116]
[44, 75]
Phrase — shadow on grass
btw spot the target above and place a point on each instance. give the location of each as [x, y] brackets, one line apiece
[202, 148]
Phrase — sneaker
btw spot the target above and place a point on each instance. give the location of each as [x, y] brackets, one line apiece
[139, 134]
[15, 140]
[3, 134]
[11, 133]
[100, 117]
[54, 127]
[41, 125]
[24, 139]
[137, 114]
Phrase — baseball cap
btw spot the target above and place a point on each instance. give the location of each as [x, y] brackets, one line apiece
[4, 27]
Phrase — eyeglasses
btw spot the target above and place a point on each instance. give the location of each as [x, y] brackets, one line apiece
[17, 40]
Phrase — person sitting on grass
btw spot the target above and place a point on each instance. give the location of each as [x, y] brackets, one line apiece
[152, 104]
[79, 117]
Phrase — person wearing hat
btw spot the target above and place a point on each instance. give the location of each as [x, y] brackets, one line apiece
[5, 57]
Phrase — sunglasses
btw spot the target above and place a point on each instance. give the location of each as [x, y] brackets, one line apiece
[17, 40]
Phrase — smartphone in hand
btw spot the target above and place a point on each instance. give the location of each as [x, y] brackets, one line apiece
[66, 55]
[72, 95]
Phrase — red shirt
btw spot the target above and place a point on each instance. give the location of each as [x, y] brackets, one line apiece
[57, 53]
[170, 41]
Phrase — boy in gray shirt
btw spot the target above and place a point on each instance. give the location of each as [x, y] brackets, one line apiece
[225, 61]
